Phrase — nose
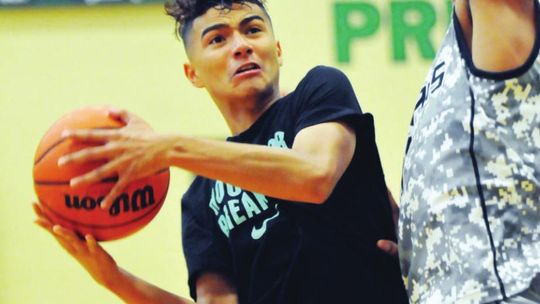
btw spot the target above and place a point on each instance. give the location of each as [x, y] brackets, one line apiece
[242, 47]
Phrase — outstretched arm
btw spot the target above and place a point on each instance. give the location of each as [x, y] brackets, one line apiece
[507, 47]
[131, 289]
[213, 288]
[318, 158]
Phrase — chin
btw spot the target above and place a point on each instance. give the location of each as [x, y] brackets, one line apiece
[250, 88]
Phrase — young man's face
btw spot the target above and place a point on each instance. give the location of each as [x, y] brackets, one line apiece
[233, 54]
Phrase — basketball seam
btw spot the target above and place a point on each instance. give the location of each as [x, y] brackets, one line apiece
[48, 150]
[103, 181]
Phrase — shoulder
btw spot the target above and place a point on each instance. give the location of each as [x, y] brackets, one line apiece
[324, 77]
[326, 73]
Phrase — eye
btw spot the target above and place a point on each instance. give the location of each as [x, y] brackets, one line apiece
[216, 39]
[253, 30]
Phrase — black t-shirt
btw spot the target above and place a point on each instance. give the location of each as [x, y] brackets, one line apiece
[276, 251]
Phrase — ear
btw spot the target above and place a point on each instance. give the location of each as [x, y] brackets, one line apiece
[192, 76]
[279, 53]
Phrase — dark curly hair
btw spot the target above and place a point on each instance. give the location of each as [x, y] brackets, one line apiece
[185, 11]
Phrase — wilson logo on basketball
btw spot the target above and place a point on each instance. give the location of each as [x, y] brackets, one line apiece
[78, 208]
[140, 199]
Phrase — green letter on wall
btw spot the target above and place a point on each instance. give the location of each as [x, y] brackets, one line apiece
[418, 30]
[353, 21]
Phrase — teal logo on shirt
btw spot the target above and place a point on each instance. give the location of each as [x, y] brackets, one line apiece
[278, 140]
[233, 206]
[257, 233]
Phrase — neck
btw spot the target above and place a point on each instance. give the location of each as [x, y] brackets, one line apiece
[241, 112]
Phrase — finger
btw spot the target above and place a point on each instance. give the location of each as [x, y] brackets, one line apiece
[92, 135]
[106, 171]
[388, 246]
[67, 245]
[103, 152]
[42, 220]
[44, 224]
[91, 243]
[118, 114]
[38, 210]
[70, 237]
[116, 191]
[62, 241]
[129, 119]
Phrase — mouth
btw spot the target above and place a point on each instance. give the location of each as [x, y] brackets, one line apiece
[247, 69]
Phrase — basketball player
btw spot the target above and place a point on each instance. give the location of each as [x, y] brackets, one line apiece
[288, 209]
[470, 204]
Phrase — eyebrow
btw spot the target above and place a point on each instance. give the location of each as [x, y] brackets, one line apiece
[222, 25]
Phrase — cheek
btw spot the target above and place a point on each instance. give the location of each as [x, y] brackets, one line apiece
[271, 55]
[214, 68]
[274, 61]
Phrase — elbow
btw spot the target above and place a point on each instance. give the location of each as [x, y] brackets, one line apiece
[318, 198]
[320, 186]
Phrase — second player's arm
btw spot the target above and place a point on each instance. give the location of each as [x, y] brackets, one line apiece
[502, 33]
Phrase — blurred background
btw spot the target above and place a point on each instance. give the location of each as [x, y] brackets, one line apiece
[57, 55]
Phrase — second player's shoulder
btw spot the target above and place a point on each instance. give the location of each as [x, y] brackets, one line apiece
[512, 47]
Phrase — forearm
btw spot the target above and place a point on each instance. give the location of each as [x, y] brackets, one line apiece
[308, 172]
[133, 290]
[503, 33]
[275, 172]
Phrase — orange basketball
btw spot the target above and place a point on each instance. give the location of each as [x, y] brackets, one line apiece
[78, 208]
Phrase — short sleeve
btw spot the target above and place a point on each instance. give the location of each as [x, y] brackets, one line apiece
[325, 95]
[205, 247]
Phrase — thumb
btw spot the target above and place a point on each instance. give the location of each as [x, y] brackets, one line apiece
[388, 246]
